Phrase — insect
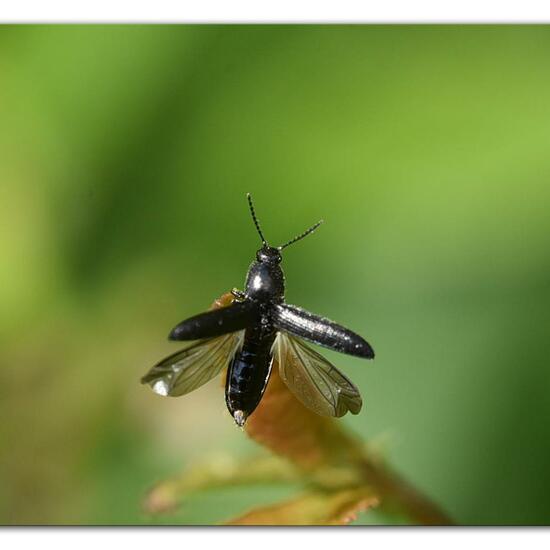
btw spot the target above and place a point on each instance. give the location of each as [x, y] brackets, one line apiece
[249, 334]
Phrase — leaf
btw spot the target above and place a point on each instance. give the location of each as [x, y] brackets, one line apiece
[215, 472]
[312, 508]
[223, 301]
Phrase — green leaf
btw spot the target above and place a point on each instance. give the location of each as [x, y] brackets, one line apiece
[312, 508]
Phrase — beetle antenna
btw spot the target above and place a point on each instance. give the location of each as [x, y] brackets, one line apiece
[304, 234]
[256, 221]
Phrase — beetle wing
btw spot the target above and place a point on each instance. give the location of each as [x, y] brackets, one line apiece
[188, 369]
[317, 383]
[321, 331]
[216, 322]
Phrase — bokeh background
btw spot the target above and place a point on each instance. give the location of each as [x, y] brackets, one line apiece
[126, 153]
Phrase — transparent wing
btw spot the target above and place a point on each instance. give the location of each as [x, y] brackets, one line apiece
[190, 368]
[318, 384]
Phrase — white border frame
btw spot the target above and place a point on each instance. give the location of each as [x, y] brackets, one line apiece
[281, 11]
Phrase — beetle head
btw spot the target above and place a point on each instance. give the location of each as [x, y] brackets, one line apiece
[269, 255]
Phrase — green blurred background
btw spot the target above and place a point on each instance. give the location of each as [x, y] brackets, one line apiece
[126, 153]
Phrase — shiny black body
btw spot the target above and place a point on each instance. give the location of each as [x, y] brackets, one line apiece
[249, 371]
[261, 311]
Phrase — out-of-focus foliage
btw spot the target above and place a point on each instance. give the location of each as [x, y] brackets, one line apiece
[126, 154]
[322, 508]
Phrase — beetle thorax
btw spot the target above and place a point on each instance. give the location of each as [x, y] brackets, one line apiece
[265, 281]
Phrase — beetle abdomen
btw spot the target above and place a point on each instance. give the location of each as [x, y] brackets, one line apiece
[248, 374]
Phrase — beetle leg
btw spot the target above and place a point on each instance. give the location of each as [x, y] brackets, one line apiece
[239, 294]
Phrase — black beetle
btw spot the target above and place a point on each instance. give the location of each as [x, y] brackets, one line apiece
[247, 335]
